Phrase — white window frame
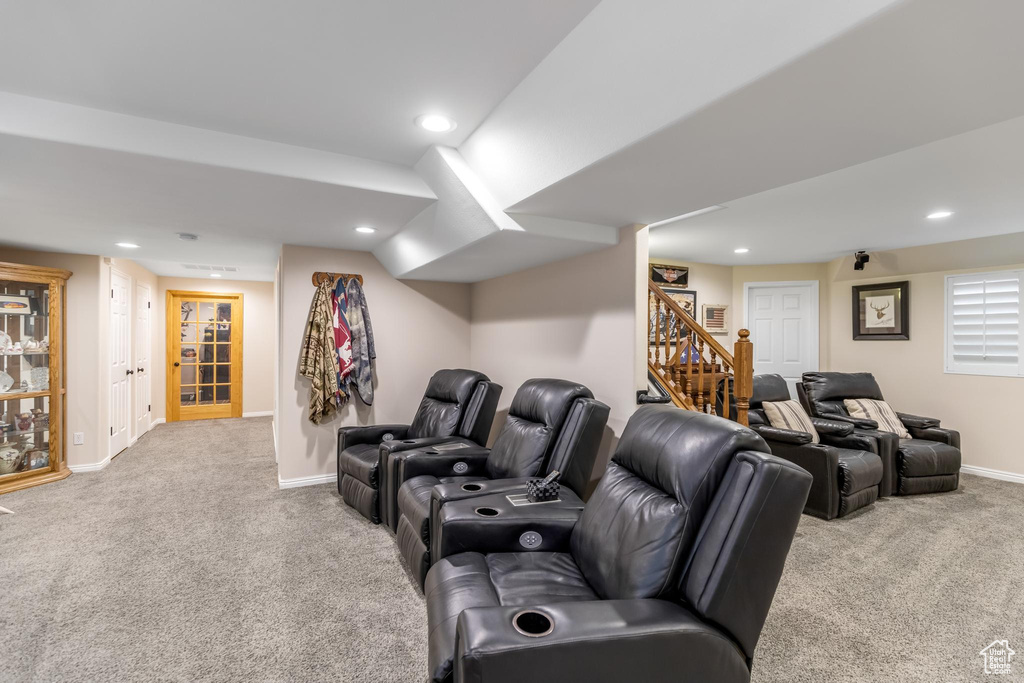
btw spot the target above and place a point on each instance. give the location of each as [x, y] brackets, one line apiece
[954, 367]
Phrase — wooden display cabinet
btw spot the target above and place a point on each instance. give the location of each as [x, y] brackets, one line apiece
[32, 359]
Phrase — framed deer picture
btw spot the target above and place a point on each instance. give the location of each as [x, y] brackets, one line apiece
[882, 311]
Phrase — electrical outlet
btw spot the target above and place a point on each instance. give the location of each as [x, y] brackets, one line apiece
[79, 438]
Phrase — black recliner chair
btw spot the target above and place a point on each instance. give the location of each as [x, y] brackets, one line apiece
[668, 574]
[929, 462]
[458, 406]
[552, 424]
[844, 479]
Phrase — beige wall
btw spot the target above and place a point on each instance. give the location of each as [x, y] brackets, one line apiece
[912, 373]
[419, 327]
[574, 319]
[257, 339]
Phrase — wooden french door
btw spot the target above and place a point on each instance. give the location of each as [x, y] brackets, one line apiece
[204, 355]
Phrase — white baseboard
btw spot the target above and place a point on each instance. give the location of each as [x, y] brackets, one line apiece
[259, 413]
[158, 421]
[94, 467]
[993, 474]
[306, 481]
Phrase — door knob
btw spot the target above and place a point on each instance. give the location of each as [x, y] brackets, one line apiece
[129, 372]
[176, 364]
[140, 370]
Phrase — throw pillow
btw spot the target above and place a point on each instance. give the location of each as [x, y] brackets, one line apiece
[880, 412]
[790, 415]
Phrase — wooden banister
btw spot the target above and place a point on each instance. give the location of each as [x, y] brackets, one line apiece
[694, 368]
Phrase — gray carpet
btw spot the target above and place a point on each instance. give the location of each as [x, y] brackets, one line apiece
[182, 561]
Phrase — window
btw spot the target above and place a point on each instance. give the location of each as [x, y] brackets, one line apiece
[983, 323]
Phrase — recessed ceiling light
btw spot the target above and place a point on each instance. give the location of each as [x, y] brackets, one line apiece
[741, 250]
[435, 123]
[127, 245]
[940, 214]
[214, 274]
[366, 229]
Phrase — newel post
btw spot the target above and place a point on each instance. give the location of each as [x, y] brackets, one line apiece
[743, 383]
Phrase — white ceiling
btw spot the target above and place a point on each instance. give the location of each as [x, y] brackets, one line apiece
[258, 123]
[62, 197]
[873, 206]
[921, 71]
[342, 76]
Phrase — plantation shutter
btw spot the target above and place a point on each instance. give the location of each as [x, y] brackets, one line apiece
[983, 323]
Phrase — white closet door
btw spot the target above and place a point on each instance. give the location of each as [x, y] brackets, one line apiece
[143, 363]
[120, 362]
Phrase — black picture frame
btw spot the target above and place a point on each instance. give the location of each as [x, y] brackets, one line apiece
[881, 311]
[666, 275]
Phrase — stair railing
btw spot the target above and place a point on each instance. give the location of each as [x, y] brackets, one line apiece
[692, 366]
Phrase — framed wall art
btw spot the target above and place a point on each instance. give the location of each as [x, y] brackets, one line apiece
[882, 311]
[672, 276]
[685, 298]
[715, 320]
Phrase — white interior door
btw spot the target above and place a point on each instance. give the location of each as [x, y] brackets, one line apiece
[120, 362]
[143, 366]
[783, 321]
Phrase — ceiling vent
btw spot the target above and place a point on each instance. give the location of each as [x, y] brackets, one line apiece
[188, 236]
[207, 268]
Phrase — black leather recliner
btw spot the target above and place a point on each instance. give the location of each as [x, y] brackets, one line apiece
[668, 575]
[552, 424]
[929, 462]
[844, 479]
[458, 406]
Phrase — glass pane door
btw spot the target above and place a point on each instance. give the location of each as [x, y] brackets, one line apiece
[208, 354]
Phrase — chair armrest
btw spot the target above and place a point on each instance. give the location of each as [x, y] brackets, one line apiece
[769, 433]
[859, 422]
[917, 422]
[459, 528]
[465, 462]
[947, 436]
[355, 435]
[445, 493]
[600, 641]
[392, 460]
[825, 425]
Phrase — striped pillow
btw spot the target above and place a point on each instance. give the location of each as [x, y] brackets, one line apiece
[880, 412]
[790, 415]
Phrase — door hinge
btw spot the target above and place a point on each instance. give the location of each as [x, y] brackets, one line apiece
[149, 304]
[149, 407]
[111, 431]
[111, 294]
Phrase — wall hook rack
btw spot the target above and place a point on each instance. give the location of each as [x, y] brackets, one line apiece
[320, 276]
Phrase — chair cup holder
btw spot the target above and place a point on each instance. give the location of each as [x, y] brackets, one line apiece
[430, 452]
[533, 624]
[487, 512]
[471, 487]
[408, 442]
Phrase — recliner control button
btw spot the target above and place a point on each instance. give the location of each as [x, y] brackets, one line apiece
[531, 539]
[461, 468]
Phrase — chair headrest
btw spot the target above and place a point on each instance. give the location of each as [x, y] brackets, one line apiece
[836, 386]
[546, 401]
[769, 388]
[673, 449]
[453, 386]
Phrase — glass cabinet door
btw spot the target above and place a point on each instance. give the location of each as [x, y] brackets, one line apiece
[26, 369]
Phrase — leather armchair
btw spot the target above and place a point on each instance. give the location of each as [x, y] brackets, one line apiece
[668, 574]
[845, 479]
[458, 406]
[928, 462]
[552, 424]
